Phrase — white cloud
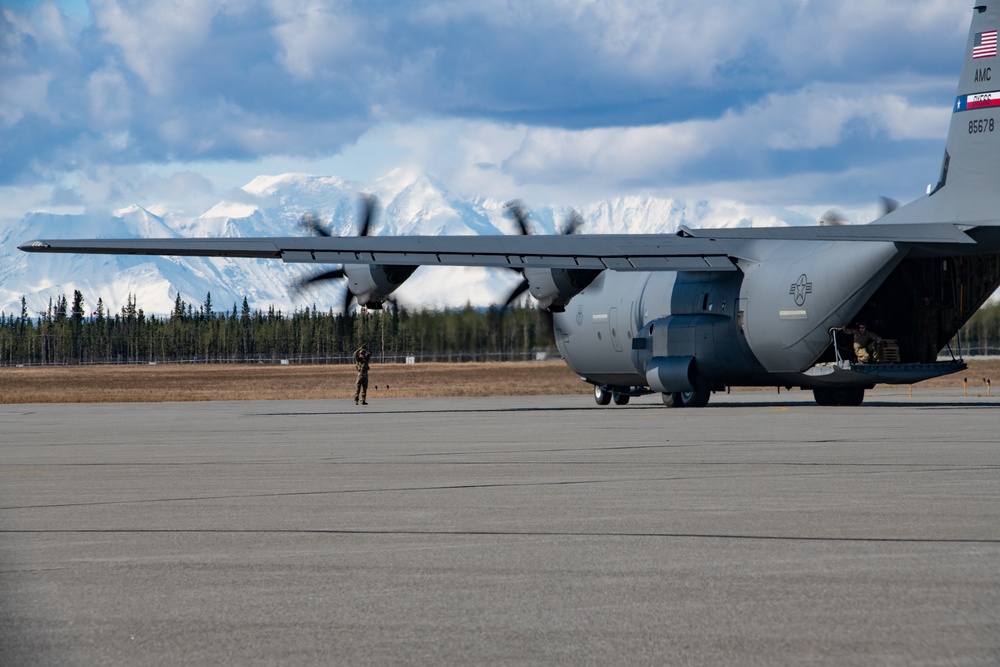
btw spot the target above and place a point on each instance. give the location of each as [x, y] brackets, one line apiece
[903, 121]
[110, 97]
[21, 95]
[153, 37]
[653, 40]
[315, 37]
[467, 155]
[809, 119]
[500, 97]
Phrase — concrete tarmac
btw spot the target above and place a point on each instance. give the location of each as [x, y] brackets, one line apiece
[760, 530]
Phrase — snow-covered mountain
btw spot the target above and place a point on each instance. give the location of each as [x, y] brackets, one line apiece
[409, 203]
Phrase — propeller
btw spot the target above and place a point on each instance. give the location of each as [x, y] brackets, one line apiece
[573, 224]
[311, 223]
[887, 205]
[832, 218]
[516, 210]
[519, 213]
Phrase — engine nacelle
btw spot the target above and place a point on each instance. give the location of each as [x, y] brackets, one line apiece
[670, 374]
[371, 284]
[553, 288]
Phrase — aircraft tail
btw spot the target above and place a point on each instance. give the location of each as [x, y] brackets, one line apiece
[968, 189]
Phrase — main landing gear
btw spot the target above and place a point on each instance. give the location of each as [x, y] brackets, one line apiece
[604, 395]
[687, 399]
[847, 396]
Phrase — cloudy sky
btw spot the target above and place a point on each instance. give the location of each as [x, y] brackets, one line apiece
[172, 103]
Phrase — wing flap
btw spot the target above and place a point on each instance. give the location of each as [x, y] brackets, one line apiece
[910, 233]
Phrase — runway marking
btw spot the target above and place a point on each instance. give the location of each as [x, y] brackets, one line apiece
[496, 533]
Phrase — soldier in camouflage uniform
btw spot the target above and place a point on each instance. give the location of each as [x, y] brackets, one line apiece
[361, 361]
[866, 343]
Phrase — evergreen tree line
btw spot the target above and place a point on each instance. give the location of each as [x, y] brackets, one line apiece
[68, 333]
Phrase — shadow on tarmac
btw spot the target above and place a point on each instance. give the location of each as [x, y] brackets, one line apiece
[944, 404]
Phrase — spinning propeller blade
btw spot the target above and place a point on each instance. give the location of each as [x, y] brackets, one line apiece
[312, 223]
[519, 213]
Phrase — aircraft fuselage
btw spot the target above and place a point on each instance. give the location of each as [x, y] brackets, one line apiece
[767, 324]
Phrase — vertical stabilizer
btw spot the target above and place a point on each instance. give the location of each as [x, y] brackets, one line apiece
[968, 189]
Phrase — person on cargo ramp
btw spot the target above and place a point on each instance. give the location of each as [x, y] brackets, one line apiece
[866, 343]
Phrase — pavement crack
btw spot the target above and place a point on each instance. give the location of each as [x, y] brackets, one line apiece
[506, 533]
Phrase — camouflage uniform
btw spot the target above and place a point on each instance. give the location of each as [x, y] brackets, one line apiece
[361, 361]
[866, 343]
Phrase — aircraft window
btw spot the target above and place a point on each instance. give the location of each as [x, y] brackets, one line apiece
[651, 329]
[599, 336]
[704, 302]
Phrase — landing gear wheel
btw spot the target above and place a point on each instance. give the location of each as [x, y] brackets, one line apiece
[620, 398]
[601, 395]
[851, 396]
[846, 396]
[695, 399]
[671, 399]
[824, 396]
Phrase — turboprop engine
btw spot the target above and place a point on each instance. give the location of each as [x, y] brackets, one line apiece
[553, 288]
[371, 284]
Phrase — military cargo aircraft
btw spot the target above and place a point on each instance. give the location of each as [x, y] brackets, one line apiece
[706, 309]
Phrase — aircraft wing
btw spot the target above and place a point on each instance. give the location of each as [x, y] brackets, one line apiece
[622, 252]
[691, 250]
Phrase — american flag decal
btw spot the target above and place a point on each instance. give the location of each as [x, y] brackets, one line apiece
[985, 45]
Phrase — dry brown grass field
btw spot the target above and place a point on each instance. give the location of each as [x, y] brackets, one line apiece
[108, 384]
[105, 384]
